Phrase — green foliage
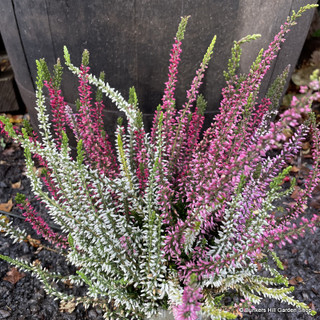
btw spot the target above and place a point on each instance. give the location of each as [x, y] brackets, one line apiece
[315, 75]
[78, 104]
[70, 240]
[42, 73]
[316, 34]
[201, 104]
[208, 55]
[217, 299]
[114, 224]
[85, 58]
[248, 107]
[80, 152]
[234, 61]
[257, 172]
[294, 15]
[123, 159]
[65, 144]
[214, 308]
[242, 183]
[20, 198]
[133, 99]
[57, 74]
[18, 263]
[182, 28]
[276, 182]
[256, 64]
[27, 126]
[8, 127]
[84, 278]
[66, 55]
[276, 89]
[43, 68]
[277, 260]
[99, 93]
[120, 121]
[2, 143]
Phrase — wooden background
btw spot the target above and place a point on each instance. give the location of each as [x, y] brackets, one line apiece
[130, 40]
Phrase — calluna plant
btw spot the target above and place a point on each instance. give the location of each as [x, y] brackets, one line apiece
[171, 219]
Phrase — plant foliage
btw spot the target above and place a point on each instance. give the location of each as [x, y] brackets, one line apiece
[166, 219]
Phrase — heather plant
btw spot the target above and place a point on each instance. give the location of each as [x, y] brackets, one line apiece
[166, 219]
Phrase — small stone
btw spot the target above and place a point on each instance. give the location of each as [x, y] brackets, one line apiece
[305, 296]
[69, 316]
[5, 250]
[98, 310]
[311, 259]
[8, 285]
[32, 301]
[92, 314]
[302, 257]
[34, 308]
[4, 314]
[38, 296]
[4, 246]
[27, 312]
[48, 310]
[4, 292]
[25, 248]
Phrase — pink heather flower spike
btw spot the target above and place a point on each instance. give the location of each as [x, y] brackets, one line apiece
[57, 104]
[41, 227]
[190, 306]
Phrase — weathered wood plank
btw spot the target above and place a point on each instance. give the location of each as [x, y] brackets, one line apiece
[8, 100]
[14, 47]
[34, 31]
[131, 40]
